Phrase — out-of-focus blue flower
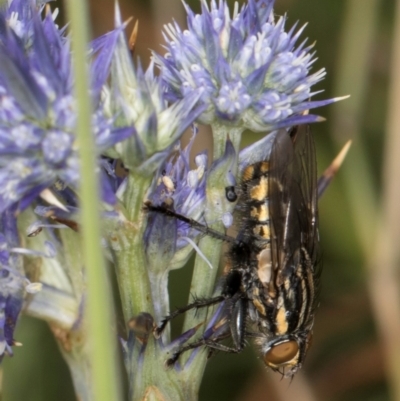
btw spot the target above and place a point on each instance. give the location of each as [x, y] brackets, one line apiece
[12, 281]
[37, 107]
[137, 97]
[251, 72]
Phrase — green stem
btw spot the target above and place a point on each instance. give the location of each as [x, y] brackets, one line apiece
[76, 352]
[60, 301]
[102, 355]
[159, 288]
[203, 281]
[131, 261]
[221, 133]
[151, 380]
[148, 378]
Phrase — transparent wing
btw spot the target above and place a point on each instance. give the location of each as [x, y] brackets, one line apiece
[293, 198]
[305, 165]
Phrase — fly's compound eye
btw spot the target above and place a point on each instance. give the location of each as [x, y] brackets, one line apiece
[230, 194]
[281, 354]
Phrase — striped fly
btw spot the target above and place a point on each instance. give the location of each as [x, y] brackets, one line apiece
[269, 293]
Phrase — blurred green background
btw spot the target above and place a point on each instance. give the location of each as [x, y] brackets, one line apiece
[356, 350]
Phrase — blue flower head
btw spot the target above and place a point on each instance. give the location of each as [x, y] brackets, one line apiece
[37, 107]
[252, 73]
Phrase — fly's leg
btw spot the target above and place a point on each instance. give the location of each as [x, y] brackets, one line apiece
[199, 303]
[235, 329]
[213, 344]
[148, 206]
[238, 321]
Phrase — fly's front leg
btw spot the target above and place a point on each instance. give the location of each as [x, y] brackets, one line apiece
[213, 344]
[203, 228]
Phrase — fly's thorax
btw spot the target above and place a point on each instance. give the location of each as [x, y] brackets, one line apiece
[255, 170]
[254, 185]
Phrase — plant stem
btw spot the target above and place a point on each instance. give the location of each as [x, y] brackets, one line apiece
[221, 133]
[148, 378]
[60, 301]
[102, 356]
[203, 281]
[75, 349]
[127, 243]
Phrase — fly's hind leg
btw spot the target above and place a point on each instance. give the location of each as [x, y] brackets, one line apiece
[199, 303]
[233, 327]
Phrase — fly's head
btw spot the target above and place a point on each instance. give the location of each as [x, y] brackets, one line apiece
[285, 354]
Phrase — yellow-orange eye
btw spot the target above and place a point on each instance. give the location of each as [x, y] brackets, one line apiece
[282, 353]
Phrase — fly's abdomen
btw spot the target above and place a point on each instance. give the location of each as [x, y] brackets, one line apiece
[254, 224]
[294, 304]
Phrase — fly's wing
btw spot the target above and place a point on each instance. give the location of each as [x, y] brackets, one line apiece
[293, 200]
[305, 178]
[279, 181]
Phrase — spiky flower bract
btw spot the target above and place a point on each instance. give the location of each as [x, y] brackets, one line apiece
[137, 97]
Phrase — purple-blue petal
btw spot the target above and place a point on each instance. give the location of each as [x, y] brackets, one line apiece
[17, 78]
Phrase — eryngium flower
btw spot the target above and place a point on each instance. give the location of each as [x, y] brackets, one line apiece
[37, 107]
[251, 71]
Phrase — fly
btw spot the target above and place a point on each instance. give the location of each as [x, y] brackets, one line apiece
[270, 292]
